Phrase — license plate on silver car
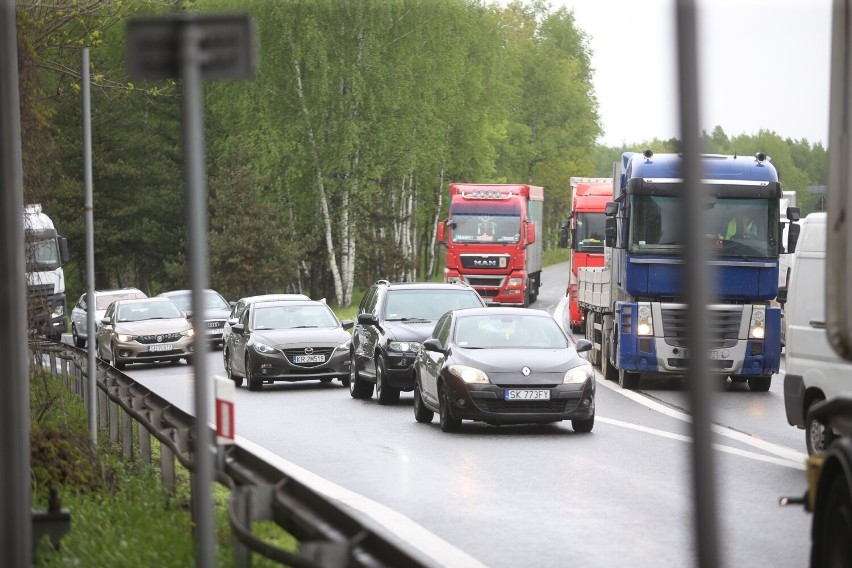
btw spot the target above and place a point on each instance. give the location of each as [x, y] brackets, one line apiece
[526, 394]
[309, 359]
[159, 347]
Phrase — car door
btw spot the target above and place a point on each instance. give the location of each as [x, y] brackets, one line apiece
[364, 338]
[432, 361]
[238, 342]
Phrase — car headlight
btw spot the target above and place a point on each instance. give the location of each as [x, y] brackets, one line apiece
[757, 326]
[346, 345]
[578, 375]
[645, 324]
[404, 346]
[188, 333]
[263, 348]
[515, 282]
[469, 374]
[125, 338]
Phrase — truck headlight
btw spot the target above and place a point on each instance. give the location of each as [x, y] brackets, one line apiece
[469, 374]
[645, 325]
[578, 375]
[515, 282]
[757, 326]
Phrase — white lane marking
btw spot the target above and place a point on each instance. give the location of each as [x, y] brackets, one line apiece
[442, 552]
[780, 451]
[720, 447]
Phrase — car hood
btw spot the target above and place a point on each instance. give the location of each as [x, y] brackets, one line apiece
[412, 331]
[305, 337]
[153, 326]
[504, 366]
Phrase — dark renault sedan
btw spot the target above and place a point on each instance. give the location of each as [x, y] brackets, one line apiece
[288, 341]
[503, 366]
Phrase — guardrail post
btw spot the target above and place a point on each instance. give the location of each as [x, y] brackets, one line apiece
[144, 444]
[102, 409]
[113, 421]
[63, 369]
[242, 510]
[126, 435]
[167, 469]
[52, 357]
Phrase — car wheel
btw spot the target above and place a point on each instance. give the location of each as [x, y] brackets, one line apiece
[832, 522]
[358, 388]
[238, 381]
[78, 341]
[325, 380]
[628, 380]
[817, 436]
[386, 394]
[583, 425]
[114, 360]
[188, 360]
[759, 384]
[448, 422]
[421, 413]
[253, 384]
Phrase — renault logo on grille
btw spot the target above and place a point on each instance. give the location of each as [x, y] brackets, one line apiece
[526, 371]
[309, 350]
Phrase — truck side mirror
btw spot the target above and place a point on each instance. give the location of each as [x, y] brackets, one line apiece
[609, 232]
[563, 234]
[781, 298]
[793, 237]
[611, 209]
[530, 229]
[64, 255]
[573, 238]
[439, 235]
[793, 214]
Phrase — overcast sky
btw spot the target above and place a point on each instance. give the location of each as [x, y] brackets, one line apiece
[764, 65]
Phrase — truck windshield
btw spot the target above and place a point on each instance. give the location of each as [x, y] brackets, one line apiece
[590, 232]
[491, 228]
[738, 227]
[41, 253]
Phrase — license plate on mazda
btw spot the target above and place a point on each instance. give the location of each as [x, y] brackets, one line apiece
[159, 347]
[309, 359]
[526, 394]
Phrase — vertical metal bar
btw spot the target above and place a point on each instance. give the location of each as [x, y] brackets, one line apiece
[144, 444]
[16, 531]
[697, 287]
[51, 354]
[113, 421]
[102, 408]
[196, 204]
[167, 469]
[88, 206]
[126, 435]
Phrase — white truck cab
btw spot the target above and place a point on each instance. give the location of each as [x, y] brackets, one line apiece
[814, 372]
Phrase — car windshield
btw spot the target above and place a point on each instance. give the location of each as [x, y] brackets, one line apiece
[139, 311]
[103, 302]
[293, 317]
[429, 305]
[509, 331]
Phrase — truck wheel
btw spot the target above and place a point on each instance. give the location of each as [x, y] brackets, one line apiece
[817, 436]
[759, 384]
[628, 379]
[527, 295]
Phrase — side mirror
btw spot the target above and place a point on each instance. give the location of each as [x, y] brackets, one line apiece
[563, 234]
[609, 232]
[238, 328]
[781, 298]
[793, 237]
[232, 322]
[64, 255]
[793, 214]
[583, 345]
[530, 229]
[347, 324]
[433, 345]
[611, 209]
[104, 321]
[367, 319]
[439, 233]
[573, 239]
[188, 314]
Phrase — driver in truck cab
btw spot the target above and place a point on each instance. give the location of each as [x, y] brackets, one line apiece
[738, 227]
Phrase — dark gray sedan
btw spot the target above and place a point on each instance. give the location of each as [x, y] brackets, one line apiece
[288, 341]
[503, 366]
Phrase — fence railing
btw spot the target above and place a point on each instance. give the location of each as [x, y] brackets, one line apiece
[328, 535]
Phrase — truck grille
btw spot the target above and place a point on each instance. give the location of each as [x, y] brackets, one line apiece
[36, 290]
[724, 325]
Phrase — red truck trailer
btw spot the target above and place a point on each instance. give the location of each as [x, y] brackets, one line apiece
[494, 240]
[585, 222]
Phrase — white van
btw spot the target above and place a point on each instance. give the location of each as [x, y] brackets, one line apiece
[814, 372]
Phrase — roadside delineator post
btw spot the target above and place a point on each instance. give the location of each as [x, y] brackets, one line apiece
[224, 411]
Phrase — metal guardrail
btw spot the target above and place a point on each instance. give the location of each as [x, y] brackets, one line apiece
[328, 535]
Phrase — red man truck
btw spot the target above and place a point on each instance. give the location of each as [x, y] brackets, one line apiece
[494, 240]
[586, 225]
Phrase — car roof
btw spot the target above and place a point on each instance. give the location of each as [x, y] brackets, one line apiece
[143, 300]
[500, 311]
[424, 285]
[273, 303]
[271, 297]
[117, 291]
[184, 292]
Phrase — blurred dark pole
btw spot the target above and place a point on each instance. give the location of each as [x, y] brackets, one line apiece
[698, 277]
[16, 532]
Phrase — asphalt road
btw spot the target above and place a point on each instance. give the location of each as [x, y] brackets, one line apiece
[544, 496]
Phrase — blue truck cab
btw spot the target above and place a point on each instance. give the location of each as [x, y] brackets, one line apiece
[647, 332]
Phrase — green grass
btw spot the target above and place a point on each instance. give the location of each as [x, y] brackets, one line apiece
[120, 513]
